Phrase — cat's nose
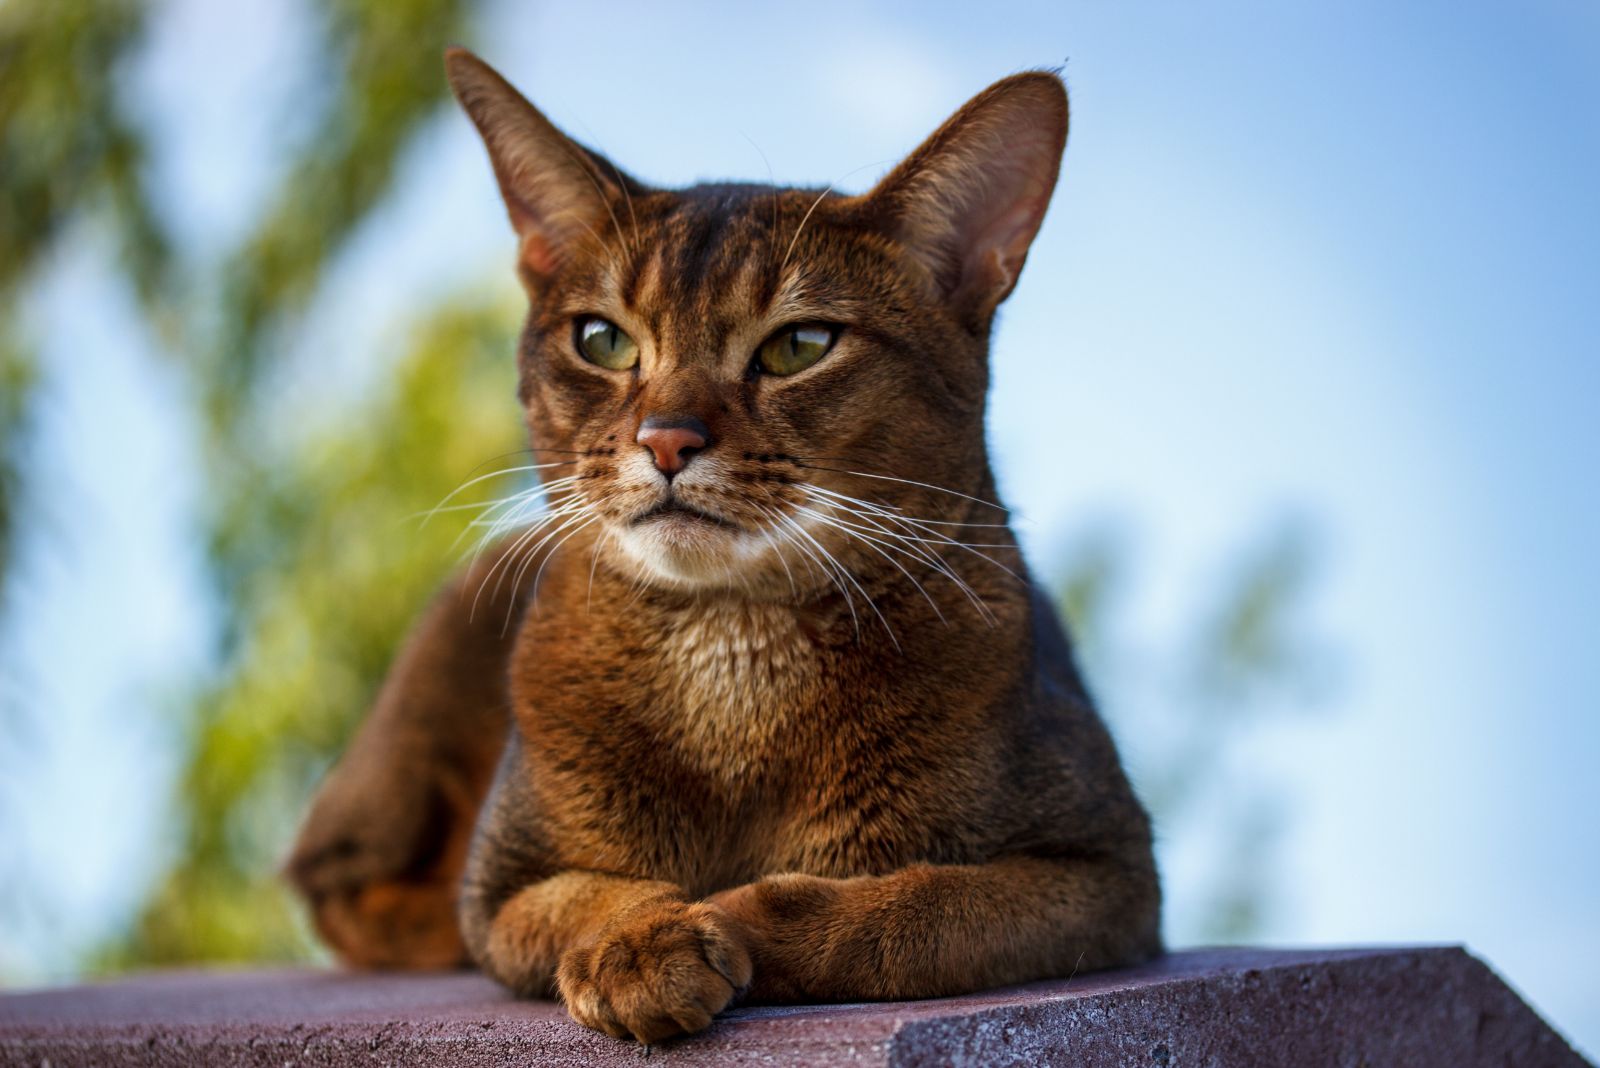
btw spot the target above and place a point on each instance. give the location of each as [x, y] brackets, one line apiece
[674, 440]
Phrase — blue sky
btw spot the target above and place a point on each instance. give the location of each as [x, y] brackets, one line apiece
[1334, 262]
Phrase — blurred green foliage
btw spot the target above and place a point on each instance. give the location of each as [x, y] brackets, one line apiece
[68, 156]
[67, 153]
[1184, 709]
[67, 149]
[17, 374]
[316, 567]
[317, 560]
[354, 566]
[383, 63]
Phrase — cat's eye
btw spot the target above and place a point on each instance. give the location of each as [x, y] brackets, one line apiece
[603, 343]
[794, 348]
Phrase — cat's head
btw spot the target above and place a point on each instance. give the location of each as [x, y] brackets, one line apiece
[734, 383]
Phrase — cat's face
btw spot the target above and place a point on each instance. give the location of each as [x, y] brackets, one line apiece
[744, 387]
[740, 387]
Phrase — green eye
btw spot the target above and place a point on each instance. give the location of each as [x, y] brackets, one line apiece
[794, 349]
[602, 342]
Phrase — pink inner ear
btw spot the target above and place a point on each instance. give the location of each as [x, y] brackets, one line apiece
[535, 253]
[533, 249]
[1001, 244]
[1008, 187]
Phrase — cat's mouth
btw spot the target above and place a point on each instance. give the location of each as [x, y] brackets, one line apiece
[674, 510]
[687, 546]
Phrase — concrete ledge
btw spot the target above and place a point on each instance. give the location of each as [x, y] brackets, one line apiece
[1362, 1007]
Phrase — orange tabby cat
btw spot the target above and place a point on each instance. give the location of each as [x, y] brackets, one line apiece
[785, 718]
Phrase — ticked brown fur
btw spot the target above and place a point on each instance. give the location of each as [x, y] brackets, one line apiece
[789, 724]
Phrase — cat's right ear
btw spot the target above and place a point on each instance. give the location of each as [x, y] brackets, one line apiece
[557, 192]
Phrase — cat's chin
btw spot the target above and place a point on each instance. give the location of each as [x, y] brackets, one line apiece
[689, 550]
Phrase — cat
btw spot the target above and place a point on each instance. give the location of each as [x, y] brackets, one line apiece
[785, 717]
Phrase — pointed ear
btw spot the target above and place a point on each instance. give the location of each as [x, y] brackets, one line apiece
[970, 199]
[557, 192]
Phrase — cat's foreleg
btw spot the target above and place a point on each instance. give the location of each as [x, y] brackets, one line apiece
[633, 957]
[380, 851]
[935, 930]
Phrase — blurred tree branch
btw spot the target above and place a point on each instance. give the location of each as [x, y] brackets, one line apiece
[387, 76]
[1182, 712]
[314, 643]
[308, 621]
[17, 375]
[66, 148]
[69, 155]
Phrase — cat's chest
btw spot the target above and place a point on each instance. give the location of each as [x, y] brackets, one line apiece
[727, 685]
[718, 691]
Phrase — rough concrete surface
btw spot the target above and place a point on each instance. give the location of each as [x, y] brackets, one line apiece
[1350, 1008]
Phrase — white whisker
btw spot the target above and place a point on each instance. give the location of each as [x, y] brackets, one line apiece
[915, 547]
[594, 561]
[514, 511]
[547, 558]
[829, 572]
[883, 506]
[516, 549]
[567, 522]
[777, 550]
[874, 544]
[849, 575]
[919, 528]
[426, 516]
[907, 482]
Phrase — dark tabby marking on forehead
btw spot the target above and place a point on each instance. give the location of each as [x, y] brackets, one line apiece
[783, 716]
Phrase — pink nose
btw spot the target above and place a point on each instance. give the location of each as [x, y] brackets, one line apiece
[674, 441]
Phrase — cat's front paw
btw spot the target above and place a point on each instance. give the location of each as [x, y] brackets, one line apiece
[655, 973]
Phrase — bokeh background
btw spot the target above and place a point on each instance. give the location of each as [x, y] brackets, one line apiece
[1298, 402]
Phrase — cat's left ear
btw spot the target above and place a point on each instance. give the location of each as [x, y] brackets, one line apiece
[970, 199]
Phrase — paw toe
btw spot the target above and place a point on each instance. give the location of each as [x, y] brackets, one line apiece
[655, 977]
